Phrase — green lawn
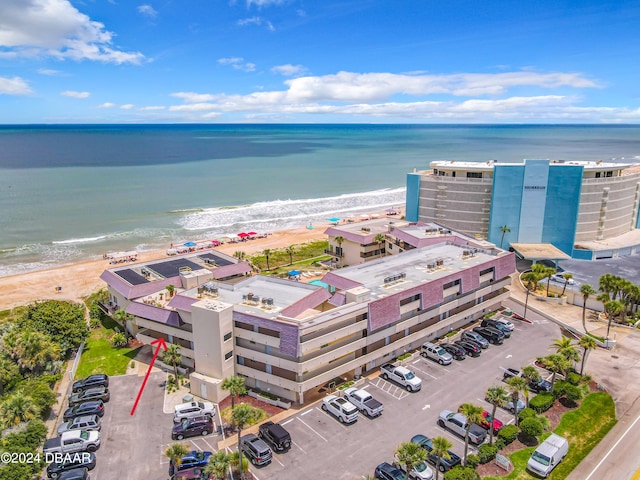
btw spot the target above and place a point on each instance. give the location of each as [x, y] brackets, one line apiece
[279, 258]
[583, 427]
[100, 357]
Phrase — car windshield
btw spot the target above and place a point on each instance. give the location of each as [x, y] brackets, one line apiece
[84, 434]
[542, 459]
[409, 376]
[442, 351]
[201, 405]
[421, 467]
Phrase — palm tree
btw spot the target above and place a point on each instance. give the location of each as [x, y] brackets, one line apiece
[409, 455]
[266, 252]
[556, 363]
[473, 413]
[587, 343]
[218, 465]
[235, 386]
[31, 350]
[548, 272]
[8, 372]
[171, 289]
[566, 348]
[239, 254]
[530, 373]
[498, 397]
[241, 416]
[122, 317]
[504, 229]
[567, 276]
[290, 250]
[440, 448]
[530, 279]
[517, 386]
[612, 308]
[586, 290]
[17, 408]
[380, 239]
[171, 356]
[175, 452]
[235, 462]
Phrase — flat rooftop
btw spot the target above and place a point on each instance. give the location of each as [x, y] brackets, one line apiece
[489, 165]
[418, 266]
[369, 227]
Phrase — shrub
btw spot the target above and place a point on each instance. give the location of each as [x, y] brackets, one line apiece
[118, 340]
[500, 443]
[508, 434]
[94, 323]
[574, 378]
[94, 311]
[526, 413]
[461, 473]
[404, 356]
[41, 394]
[472, 460]
[542, 402]
[487, 452]
[531, 426]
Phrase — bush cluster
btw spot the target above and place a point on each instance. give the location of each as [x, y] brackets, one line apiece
[508, 434]
[118, 340]
[531, 426]
[461, 473]
[574, 378]
[487, 452]
[526, 413]
[473, 460]
[542, 402]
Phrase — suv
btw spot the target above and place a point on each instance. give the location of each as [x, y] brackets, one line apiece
[491, 334]
[256, 449]
[476, 337]
[436, 353]
[97, 380]
[456, 351]
[446, 464]
[275, 435]
[193, 409]
[95, 393]
[472, 348]
[190, 427]
[87, 408]
[386, 471]
[81, 473]
[87, 422]
[458, 423]
[488, 322]
[87, 460]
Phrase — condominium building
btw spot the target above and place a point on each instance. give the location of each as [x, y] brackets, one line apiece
[587, 210]
[293, 339]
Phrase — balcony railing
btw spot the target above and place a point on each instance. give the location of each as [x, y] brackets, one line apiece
[333, 253]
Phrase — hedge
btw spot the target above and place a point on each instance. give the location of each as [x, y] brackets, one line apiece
[487, 452]
[526, 413]
[542, 402]
[508, 434]
[531, 426]
[472, 460]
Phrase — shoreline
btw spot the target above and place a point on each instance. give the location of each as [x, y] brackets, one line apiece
[81, 279]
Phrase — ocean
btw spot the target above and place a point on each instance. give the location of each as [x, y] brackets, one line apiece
[70, 193]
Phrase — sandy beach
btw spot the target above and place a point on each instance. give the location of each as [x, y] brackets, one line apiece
[79, 280]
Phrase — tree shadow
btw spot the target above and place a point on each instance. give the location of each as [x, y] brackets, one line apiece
[568, 403]
[527, 440]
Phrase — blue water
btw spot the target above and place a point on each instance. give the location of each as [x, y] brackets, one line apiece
[69, 193]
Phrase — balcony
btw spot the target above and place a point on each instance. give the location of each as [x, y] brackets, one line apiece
[334, 253]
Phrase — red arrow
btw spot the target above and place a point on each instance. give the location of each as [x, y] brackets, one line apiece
[161, 344]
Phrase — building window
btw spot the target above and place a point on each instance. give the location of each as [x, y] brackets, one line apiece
[411, 299]
[608, 174]
[390, 247]
[484, 272]
[451, 284]
[228, 336]
[597, 174]
[474, 174]
[228, 355]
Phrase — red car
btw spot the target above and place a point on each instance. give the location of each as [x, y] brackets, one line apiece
[497, 424]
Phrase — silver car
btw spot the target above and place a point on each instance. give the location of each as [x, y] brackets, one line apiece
[86, 422]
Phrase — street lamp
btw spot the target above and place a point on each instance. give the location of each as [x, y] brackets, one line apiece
[526, 303]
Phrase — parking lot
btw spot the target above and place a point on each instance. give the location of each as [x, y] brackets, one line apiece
[322, 445]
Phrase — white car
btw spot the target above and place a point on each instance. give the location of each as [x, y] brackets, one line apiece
[421, 471]
[505, 321]
[341, 408]
[558, 278]
[193, 409]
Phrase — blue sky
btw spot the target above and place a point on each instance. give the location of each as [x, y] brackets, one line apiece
[319, 61]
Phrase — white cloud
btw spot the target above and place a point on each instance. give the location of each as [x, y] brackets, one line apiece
[190, 97]
[50, 72]
[288, 70]
[147, 10]
[14, 86]
[127, 106]
[265, 3]
[249, 21]
[238, 63]
[107, 105]
[56, 28]
[152, 107]
[74, 94]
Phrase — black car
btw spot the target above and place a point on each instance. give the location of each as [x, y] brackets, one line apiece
[72, 461]
[190, 427]
[491, 334]
[275, 435]
[445, 464]
[94, 393]
[75, 474]
[472, 349]
[540, 385]
[87, 408]
[97, 380]
[456, 351]
[487, 322]
[386, 471]
[193, 459]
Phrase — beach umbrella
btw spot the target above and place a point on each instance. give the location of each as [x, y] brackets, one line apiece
[190, 244]
[333, 219]
[243, 234]
[251, 234]
[294, 273]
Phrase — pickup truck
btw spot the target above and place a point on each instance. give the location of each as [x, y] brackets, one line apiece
[401, 375]
[364, 402]
[73, 441]
[457, 423]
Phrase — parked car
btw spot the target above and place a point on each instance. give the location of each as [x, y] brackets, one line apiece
[491, 334]
[193, 409]
[558, 278]
[195, 458]
[275, 435]
[456, 351]
[256, 449]
[341, 408]
[81, 473]
[436, 353]
[505, 321]
[472, 349]
[422, 471]
[87, 408]
[535, 386]
[401, 375]
[73, 441]
[458, 424]
[487, 322]
[91, 394]
[509, 406]
[72, 461]
[476, 337]
[193, 473]
[548, 455]
[491, 421]
[96, 380]
[364, 401]
[386, 471]
[86, 422]
[445, 464]
[190, 427]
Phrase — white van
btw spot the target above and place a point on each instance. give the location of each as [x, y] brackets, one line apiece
[548, 454]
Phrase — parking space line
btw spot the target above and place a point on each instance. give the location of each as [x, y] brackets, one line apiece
[212, 449]
[195, 445]
[276, 459]
[303, 451]
[288, 421]
[311, 428]
[307, 411]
